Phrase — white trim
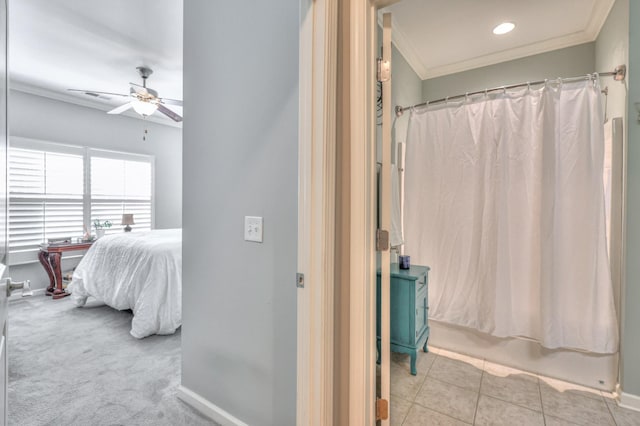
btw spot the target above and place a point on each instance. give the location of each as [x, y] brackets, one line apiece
[362, 350]
[599, 15]
[405, 47]
[590, 33]
[17, 296]
[510, 54]
[384, 215]
[207, 407]
[316, 210]
[629, 401]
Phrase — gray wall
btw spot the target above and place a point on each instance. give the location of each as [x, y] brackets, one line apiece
[631, 322]
[611, 50]
[569, 62]
[406, 89]
[46, 119]
[240, 158]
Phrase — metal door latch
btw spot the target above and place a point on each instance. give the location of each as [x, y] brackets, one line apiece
[300, 280]
[24, 285]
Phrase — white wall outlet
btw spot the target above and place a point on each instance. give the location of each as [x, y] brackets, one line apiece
[253, 228]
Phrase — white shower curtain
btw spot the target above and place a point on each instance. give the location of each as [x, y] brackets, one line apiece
[504, 201]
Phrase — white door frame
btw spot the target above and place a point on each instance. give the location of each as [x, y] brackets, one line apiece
[316, 210]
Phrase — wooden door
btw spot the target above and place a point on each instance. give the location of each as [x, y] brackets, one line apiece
[3, 207]
[384, 75]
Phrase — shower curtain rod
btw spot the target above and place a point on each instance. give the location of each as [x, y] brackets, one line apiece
[619, 73]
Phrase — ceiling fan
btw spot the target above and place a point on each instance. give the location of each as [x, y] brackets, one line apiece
[145, 100]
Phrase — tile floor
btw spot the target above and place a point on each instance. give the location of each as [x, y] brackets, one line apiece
[452, 389]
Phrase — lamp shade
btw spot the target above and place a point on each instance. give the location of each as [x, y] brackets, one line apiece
[127, 219]
[144, 108]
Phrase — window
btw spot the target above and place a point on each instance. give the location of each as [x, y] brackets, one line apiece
[120, 186]
[57, 191]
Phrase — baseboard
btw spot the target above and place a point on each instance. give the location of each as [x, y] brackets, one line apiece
[627, 400]
[208, 408]
[17, 295]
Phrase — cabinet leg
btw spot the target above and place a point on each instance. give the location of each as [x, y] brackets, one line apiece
[424, 347]
[413, 363]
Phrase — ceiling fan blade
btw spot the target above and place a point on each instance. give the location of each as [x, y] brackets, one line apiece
[95, 93]
[121, 108]
[166, 111]
[138, 89]
[168, 101]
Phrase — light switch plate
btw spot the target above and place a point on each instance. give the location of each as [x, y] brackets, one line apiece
[253, 228]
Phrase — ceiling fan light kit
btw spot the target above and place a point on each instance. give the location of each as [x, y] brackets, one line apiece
[143, 108]
[145, 100]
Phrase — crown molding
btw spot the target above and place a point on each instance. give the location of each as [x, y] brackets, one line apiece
[509, 55]
[599, 14]
[31, 89]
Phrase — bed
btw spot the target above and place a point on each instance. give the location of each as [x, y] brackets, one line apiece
[141, 271]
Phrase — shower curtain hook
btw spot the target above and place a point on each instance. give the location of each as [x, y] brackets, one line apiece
[596, 79]
[528, 86]
[466, 97]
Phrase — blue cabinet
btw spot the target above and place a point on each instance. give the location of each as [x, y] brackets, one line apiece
[409, 310]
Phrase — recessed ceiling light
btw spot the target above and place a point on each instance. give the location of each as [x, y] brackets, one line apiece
[504, 28]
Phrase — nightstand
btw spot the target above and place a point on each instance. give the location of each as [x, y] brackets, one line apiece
[409, 310]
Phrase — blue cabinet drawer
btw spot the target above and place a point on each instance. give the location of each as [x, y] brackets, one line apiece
[409, 309]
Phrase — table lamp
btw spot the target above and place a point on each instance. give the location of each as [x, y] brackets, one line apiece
[127, 219]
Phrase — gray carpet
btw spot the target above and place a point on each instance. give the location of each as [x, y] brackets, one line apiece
[80, 366]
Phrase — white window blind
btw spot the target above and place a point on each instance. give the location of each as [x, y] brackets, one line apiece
[45, 197]
[57, 191]
[121, 186]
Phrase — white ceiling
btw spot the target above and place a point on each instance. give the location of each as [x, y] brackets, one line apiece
[55, 45]
[97, 44]
[439, 37]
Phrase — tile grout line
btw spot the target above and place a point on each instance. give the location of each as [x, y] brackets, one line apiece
[544, 418]
[615, 422]
[475, 412]
[413, 401]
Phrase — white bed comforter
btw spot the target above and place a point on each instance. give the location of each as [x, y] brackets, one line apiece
[141, 271]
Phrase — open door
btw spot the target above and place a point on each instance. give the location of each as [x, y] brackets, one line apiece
[384, 203]
[3, 208]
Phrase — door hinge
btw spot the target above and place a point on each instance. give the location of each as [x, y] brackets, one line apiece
[382, 409]
[382, 240]
[384, 70]
[300, 280]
